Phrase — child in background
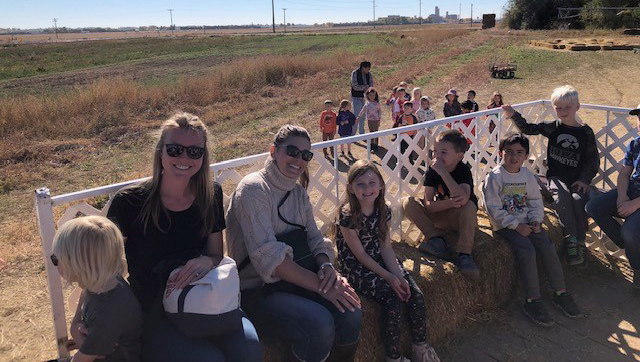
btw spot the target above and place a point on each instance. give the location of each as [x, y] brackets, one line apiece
[573, 161]
[449, 203]
[392, 101]
[372, 110]
[466, 107]
[407, 96]
[367, 260]
[496, 101]
[623, 202]
[346, 119]
[416, 94]
[425, 113]
[400, 101]
[451, 106]
[471, 96]
[514, 203]
[107, 325]
[407, 119]
[328, 124]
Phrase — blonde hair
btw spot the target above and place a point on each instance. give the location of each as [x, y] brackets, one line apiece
[566, 95]
[199, 183]
[90, 250]
[352, 206]
[413, 94]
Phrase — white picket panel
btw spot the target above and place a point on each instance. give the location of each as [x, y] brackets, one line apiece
[404, 176]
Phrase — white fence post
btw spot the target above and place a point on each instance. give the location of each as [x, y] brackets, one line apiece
[47, 228]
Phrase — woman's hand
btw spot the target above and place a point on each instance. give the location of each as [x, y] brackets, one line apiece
[193, 270]
[344, 297]
[400, 286]
[328, 278]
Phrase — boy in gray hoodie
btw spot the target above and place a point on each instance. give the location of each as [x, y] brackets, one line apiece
[514, 204]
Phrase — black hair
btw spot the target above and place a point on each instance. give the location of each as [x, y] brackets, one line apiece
[472, 92]
[512, 138]
[409, 103]
[454, 137]
[467, 105]
[365, 64]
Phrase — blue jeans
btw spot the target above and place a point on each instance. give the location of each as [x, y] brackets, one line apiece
[310, 323]
[162, 341]
[603, 209]
[358, 103]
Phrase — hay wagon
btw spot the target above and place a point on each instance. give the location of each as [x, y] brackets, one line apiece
[503, 70]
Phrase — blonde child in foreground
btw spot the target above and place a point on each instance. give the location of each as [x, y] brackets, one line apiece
[573, 161]
[366, 258]
[107, 325]
[514, 203]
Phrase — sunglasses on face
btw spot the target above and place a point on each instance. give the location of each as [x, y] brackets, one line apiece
[175, 150]
[54, 259]
[293, 151]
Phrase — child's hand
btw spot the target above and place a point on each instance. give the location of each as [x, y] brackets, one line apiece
[524, 229]
[580, 187]
[457, 201]
[508, 111]
[438, 166]
[536, 228]
[626, 208]
[396, 284]
[78, 333]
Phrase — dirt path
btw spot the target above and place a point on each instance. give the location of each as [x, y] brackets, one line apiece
[610, 332]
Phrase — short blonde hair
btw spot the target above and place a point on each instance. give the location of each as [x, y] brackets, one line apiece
[565, 95]
[90, 250]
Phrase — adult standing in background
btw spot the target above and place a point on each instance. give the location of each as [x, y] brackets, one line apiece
[361, 80]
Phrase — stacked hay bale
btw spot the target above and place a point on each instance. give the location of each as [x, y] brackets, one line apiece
[451, 299]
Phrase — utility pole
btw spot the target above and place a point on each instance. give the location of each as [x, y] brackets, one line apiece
[284, 11]
[420, 12]
[273, 16]
[171, 16]
[472, 15]
[374, 14]
[460, 14]
[55, 26]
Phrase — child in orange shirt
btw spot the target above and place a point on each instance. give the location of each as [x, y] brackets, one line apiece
[328, 124]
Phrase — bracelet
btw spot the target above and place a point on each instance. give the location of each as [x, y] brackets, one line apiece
[326, 264]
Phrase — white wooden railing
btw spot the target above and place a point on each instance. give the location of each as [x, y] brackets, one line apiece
[327, 179]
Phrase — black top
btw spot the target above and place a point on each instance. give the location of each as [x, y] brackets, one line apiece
[461, 175]
[453, 109]
[572, 153]
[114, 323]
[182, 239]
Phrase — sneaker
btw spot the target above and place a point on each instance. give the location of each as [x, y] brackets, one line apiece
[468, 267]
[350, 154]
[636, 278]
[343, 154]
[537, 312]
[566, 303]
[424, 353]
[436, 246]
[575, 253]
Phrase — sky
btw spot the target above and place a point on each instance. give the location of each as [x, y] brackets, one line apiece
[116, 13]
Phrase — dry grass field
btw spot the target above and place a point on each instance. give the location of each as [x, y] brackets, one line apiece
[89, 125]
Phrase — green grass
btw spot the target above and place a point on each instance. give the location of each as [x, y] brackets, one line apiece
[35, 59]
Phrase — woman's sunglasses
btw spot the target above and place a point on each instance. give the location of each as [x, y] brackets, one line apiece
[54, 259]
[294, 151]
[175, 150]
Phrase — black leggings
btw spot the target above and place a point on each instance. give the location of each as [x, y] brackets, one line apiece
[376, 288]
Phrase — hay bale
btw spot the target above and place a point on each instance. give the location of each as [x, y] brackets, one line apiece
[578, 47]
[450, 298]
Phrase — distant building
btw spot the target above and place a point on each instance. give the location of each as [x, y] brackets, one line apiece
[435, 18]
